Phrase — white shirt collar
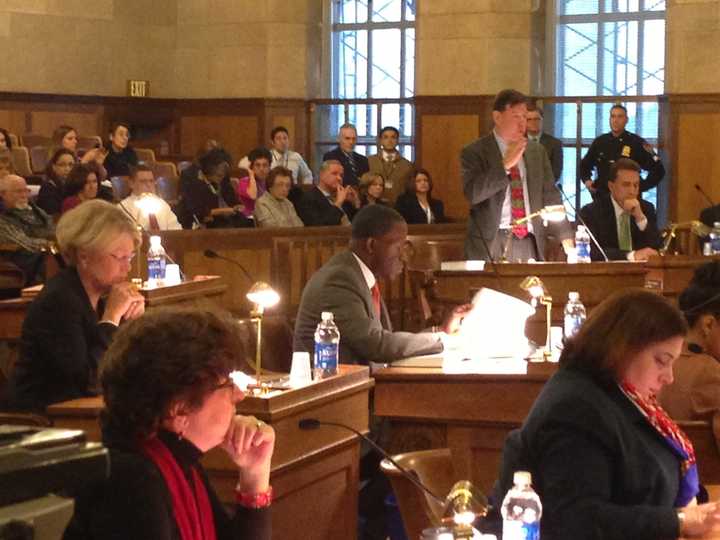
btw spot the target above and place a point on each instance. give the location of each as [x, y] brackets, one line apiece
[618, 209]
[366, 272]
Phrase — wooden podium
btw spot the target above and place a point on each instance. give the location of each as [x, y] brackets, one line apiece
[593, 281]
[470, 414]
[670, 274]
[314, 473]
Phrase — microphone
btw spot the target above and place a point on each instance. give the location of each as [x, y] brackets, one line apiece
[211, 254]
[308, 424]
[707, 197]
[582, 221]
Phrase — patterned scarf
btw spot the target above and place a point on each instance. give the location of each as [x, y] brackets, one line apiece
[676, 439]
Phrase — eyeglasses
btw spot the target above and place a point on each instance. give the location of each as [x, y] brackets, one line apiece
[119, 259]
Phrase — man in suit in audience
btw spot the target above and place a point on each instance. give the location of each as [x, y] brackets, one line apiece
[388, 163]
[25, 227]
[505, 178]
[354, 164]
[552, 146]
[623, 224]
[347, 285]
[329, 202]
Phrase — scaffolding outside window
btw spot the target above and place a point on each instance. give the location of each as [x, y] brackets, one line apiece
[372, 69]
[609, 48]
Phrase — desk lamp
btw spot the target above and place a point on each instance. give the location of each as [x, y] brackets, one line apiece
[262, 296]
[552, 213]
[536, 289]
[698, 228]
[464, 504]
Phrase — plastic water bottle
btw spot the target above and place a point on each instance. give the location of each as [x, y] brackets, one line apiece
[327, 342]
[715, 238]
[582, 244]
[156, 262]
[521, 510]
[575, 314]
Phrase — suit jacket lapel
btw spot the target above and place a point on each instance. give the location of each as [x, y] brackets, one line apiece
[367, 295]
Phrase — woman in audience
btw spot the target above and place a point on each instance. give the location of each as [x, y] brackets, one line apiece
[695, 392]
[81, 185]
[120, 156]
[371, 189]
[52, 190]
[273, 209]
[417, 205]
[207, 196]
[606, 460]
[70, 324]
[5, 141]
[169, 399]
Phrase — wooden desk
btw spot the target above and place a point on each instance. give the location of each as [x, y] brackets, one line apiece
[314, 474]
[470, 414]
[12, 315]
[593, 281]
[670, 274]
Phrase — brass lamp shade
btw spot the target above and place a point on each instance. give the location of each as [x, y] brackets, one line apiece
[263, 295]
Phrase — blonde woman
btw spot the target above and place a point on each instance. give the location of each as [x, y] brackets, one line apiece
[71, 323]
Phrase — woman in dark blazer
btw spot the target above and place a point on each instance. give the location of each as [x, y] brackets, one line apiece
[606, 460]
[169, 398]
[52, 190]
[417, 205]
[70, 324]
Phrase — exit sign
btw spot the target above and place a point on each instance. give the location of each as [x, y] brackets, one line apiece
[138, 88]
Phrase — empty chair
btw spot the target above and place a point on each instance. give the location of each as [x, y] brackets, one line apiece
[121, 187]
[86, 143]
[21, 160]
[146, 156]
[168, 188]
[39, 158]
[31, 139]
[434, 469]
[14, 139]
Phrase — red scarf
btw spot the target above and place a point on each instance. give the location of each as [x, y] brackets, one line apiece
[193, 513]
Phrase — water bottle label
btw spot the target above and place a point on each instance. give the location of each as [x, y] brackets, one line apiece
[156, 269]
[519, 530]
[326, 356]
[583, 250]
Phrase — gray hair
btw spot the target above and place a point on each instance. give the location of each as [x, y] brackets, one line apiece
[347, 125]
[329, 163]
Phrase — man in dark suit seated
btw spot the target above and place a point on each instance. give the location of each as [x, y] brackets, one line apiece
[623, 224]
[354, 164]
[347, 286]
[329, 202]
[24, 228]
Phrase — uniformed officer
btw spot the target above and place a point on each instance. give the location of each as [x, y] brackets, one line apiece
[609, 147]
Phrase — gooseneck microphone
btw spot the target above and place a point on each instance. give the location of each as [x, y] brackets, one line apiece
[582, 221]
[211, 254]
[702, 192]
[308, 424]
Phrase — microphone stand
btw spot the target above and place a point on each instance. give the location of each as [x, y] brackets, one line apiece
[307, 424]
[582, 221]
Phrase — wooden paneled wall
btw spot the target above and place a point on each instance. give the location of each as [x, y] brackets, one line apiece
[693, 145]
[443, 125]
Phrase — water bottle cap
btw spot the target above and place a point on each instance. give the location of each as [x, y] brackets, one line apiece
[574, 296]
[326, 316]
[522, 478]
[155, 241]
[581, 228]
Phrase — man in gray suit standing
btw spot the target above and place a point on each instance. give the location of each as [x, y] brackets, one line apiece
[505, 178]
[347, 285]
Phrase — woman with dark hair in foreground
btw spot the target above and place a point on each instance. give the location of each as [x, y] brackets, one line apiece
[606, 460]
[169, 399]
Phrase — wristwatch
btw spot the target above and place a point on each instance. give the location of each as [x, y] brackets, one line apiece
[681, 521]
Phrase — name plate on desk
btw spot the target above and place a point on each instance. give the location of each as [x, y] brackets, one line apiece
[462, 266]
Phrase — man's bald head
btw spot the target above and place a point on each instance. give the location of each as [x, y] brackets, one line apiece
[14, 191]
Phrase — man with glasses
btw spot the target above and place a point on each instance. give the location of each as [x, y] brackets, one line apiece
[144, 206]
[25, 229]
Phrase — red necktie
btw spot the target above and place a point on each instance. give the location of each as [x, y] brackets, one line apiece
[517, 202]
[376, 298]
[154, 225]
